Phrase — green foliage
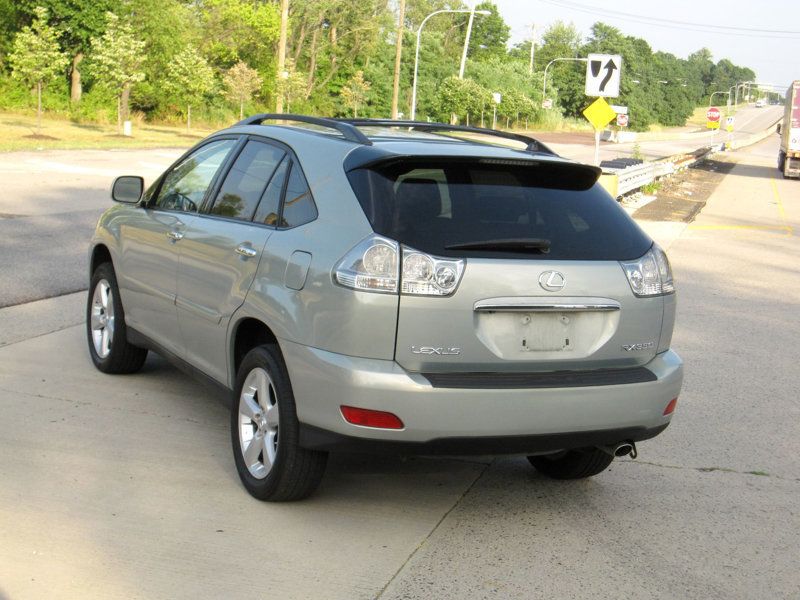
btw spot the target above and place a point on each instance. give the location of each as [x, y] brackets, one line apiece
[461, 97]
[189, 79]
[489, 34]
[240, 83]
[78, 20]
[171, 57]
[36, 57]
[117, 55]
[238, 30]
[291, 84]
[354, 94]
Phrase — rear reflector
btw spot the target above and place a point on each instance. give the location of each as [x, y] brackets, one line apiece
[371, 418]
[670, 407]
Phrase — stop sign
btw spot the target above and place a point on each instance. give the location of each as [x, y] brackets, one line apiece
[713, 114]
[622, 120]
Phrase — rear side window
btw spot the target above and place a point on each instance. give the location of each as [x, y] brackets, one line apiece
[246, 181]
[298, 205]
[430, 205]
[270, 204]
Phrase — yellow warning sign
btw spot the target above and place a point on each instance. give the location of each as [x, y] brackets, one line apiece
[599, 113]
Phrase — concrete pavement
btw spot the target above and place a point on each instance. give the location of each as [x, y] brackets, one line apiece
[123, 487]
[711, 509]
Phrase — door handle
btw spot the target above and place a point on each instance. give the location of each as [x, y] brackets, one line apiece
[175, 236]
[245, 251]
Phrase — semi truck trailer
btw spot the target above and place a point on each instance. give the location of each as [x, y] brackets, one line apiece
[789, 154]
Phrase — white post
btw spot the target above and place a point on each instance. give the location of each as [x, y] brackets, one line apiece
[544, 83]
[416, 51]
[597, 147]
[466, 44]
[533, 45]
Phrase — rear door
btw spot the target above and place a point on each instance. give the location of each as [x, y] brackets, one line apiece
[222, 249]
[542, 288]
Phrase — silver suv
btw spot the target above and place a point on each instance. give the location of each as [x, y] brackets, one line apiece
[388, 286]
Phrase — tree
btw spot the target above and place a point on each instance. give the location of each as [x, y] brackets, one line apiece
[36, 57]
[489, 33]
[354, 93]
[189, 77]
[78, 21]
[117, 58]
[241, 82]
[291, 85]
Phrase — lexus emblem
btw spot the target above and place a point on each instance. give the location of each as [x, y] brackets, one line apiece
[552, 281]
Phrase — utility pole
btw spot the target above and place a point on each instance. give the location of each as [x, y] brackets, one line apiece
[533, 45]
[397, 53]
[282, 53]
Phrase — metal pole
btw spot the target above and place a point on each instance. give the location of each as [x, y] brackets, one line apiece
[416, 57]
[597, 147]
[533, 46]
[544, 83]
[466, 44]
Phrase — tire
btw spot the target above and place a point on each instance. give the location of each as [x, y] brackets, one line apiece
[106, 331]
[782, 163]
[265, 432]
[573, 464]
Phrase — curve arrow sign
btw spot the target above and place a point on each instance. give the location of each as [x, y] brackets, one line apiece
[610, 68]
[603, 75]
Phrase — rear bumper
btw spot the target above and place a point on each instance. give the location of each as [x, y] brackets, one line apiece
[321, 439]
[451, 419]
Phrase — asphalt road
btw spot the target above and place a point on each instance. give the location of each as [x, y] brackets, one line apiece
[123, 487]
[50, 204]
[52, 200]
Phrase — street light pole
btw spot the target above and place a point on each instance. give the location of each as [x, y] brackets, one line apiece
[416, 51]
[544, 85]
[533, 47]
[466, 44]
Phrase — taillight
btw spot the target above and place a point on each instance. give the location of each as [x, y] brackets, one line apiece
[373, 266]
[650, 275]
[371, 418]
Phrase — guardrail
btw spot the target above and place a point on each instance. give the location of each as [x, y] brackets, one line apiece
[620, 177]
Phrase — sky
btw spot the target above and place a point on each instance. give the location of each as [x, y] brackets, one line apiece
[773, 55]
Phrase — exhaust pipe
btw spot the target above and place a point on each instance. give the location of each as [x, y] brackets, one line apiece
[621, 449]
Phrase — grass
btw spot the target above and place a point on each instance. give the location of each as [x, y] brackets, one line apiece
[18, 132]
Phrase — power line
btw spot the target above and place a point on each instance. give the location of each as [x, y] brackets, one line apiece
[674, 24]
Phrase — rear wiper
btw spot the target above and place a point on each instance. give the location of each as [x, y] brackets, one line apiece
[509, 245]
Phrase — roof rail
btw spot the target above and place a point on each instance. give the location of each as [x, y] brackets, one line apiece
[348, 130]
[531, 144]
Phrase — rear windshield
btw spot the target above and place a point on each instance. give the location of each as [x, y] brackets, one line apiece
[435, 205]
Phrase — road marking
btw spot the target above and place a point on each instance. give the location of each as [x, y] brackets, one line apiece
[778, 200]
[785, 228]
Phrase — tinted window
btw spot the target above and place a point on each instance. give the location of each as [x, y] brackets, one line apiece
[430, 205]
[270, 204]
[185, 185]
[246, 181]
[298, 205]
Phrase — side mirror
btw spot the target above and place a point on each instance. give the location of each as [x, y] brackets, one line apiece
[127, 189]
[778, 129]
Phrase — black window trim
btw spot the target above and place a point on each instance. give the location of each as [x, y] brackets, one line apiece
[223, 172]
[149, 205]
[208, 201]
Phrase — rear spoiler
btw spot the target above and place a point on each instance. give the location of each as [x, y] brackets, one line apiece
[552, 173]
